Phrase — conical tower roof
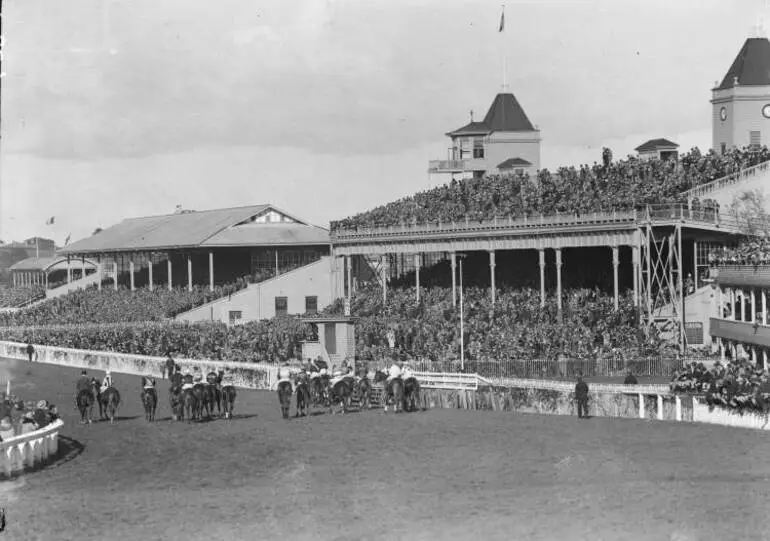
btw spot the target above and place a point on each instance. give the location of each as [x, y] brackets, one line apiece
[505, 114]
[751, 66]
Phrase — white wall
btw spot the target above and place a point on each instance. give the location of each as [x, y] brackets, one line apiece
[320, 279]
[29, 450]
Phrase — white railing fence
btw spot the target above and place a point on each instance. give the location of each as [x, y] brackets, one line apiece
[30, 450]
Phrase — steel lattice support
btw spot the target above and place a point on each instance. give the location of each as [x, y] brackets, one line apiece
[662, 281]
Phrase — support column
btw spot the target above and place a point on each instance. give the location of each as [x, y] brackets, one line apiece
[541, 255]
[13, 277]
[99, 271]
[695, 264]
[131, 274]
[492, 273]
[383, 270]
[115, 275]
[349, 273]
[82, 268]
[764, 306]
[722, 349]
[150, 281]
[69, 271]
[170, 276]
[615, 264]
[417, 263]
[46, 280]
[276, 261]
[641, 406]
[635, 261]
[753, 307]
[189, 272]
[733, 298]
[678, 407]
[558, 278]
[454, 278]
[211, 271]
[660, 407]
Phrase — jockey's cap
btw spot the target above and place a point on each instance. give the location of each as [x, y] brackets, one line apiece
[42, 404]
[108, 373]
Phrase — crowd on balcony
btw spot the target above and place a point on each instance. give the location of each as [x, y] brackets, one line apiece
[753, 251]
[620, 185]
[738, 385]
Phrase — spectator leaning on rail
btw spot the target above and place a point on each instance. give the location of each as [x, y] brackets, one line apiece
[581, 397]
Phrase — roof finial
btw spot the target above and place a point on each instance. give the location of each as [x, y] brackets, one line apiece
[759, 30]
[471, 115]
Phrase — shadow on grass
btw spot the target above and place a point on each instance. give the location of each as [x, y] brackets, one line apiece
[69, 449]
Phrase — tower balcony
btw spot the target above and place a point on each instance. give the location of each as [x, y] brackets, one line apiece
[457, 166]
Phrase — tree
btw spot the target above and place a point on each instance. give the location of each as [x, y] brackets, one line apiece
[749, 209]
[97, 231]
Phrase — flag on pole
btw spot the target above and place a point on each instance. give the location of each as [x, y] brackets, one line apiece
[50, 221]
[67, 240]
[502, 20]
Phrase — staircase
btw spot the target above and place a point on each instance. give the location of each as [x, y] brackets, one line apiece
[725, 188]
[698, 309]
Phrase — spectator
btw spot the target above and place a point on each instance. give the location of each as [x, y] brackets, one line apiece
[30, 351]
[169, 368]
[581, 397]
[630, 379]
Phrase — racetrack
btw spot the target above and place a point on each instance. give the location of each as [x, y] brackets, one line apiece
[441, 474]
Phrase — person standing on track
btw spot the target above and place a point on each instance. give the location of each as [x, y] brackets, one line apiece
[30, 351]
[581, 397]
[284, 374]
[169, 369]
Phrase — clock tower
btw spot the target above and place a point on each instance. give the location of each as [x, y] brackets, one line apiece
[741, 103]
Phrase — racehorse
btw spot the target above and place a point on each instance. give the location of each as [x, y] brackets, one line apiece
[175, 399]
[341, 392]
[189, 404]
[319, 390]
[201, 401]
[110, 399]
[363, 392]
[303, 397]
[284, 397]
[150, 401]
[98, 394]
[394, 390]
[412, 394]
[228, 398]
[85, 401]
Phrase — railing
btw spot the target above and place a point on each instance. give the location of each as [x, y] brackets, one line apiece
[656, 214]
[30, 450]
[435, 166]
[728, 180]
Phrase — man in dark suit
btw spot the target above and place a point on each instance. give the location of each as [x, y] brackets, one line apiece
[630, 379]
[581, 397]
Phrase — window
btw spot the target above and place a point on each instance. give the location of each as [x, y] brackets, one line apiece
[724, 148]
[311, 305]
[518, 171]
[235, 315]
[478, 148]
[281, 306]
[755, 139]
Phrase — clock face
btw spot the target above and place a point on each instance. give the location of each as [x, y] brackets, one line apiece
[723, 113]
[766, 111]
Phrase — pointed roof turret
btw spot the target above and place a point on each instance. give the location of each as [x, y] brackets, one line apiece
[505, 114]
[751, 67]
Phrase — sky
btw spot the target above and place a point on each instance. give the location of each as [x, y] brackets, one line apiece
[121, 108]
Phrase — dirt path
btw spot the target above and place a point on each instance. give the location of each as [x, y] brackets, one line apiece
[443, 474]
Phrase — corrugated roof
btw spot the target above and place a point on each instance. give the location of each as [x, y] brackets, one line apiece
[505, 114]
[269, 234]
[751, 66]
[184, 230]
[513, 162]
[655, 144]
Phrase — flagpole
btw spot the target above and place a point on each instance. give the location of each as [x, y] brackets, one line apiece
[505, 55]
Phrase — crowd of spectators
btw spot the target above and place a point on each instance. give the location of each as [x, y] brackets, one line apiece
[738, 385]
[18, 417]
[110, 306]
[620, 185]
[14, 296]
[753, 251]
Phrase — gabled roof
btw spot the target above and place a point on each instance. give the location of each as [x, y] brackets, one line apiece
[182, 230]
[751, 66]
[655, 144]
[270, 235]
[510, 163]
[505, 114]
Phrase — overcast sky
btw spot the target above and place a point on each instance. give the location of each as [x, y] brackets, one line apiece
[122, 108]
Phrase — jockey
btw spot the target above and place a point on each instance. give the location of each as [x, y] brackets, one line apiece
[84, 382]
[148, 382]
[394, 371]
[107, 381]
[284, 374]
[197, 376]
[337, 376]
[406, 373]
[176, 380]
[227, 378]
[187, 380]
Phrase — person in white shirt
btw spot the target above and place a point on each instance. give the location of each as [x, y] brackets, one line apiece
[227, 379]
[406, 373]
[284, 374]
[107, 381]
[394, 371]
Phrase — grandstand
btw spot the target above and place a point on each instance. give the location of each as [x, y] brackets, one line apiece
[647, 224]
[211, 248]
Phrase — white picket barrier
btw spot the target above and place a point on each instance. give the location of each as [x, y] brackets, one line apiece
[30, 450]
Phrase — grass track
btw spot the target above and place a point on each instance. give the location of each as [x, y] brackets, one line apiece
[442, 474]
